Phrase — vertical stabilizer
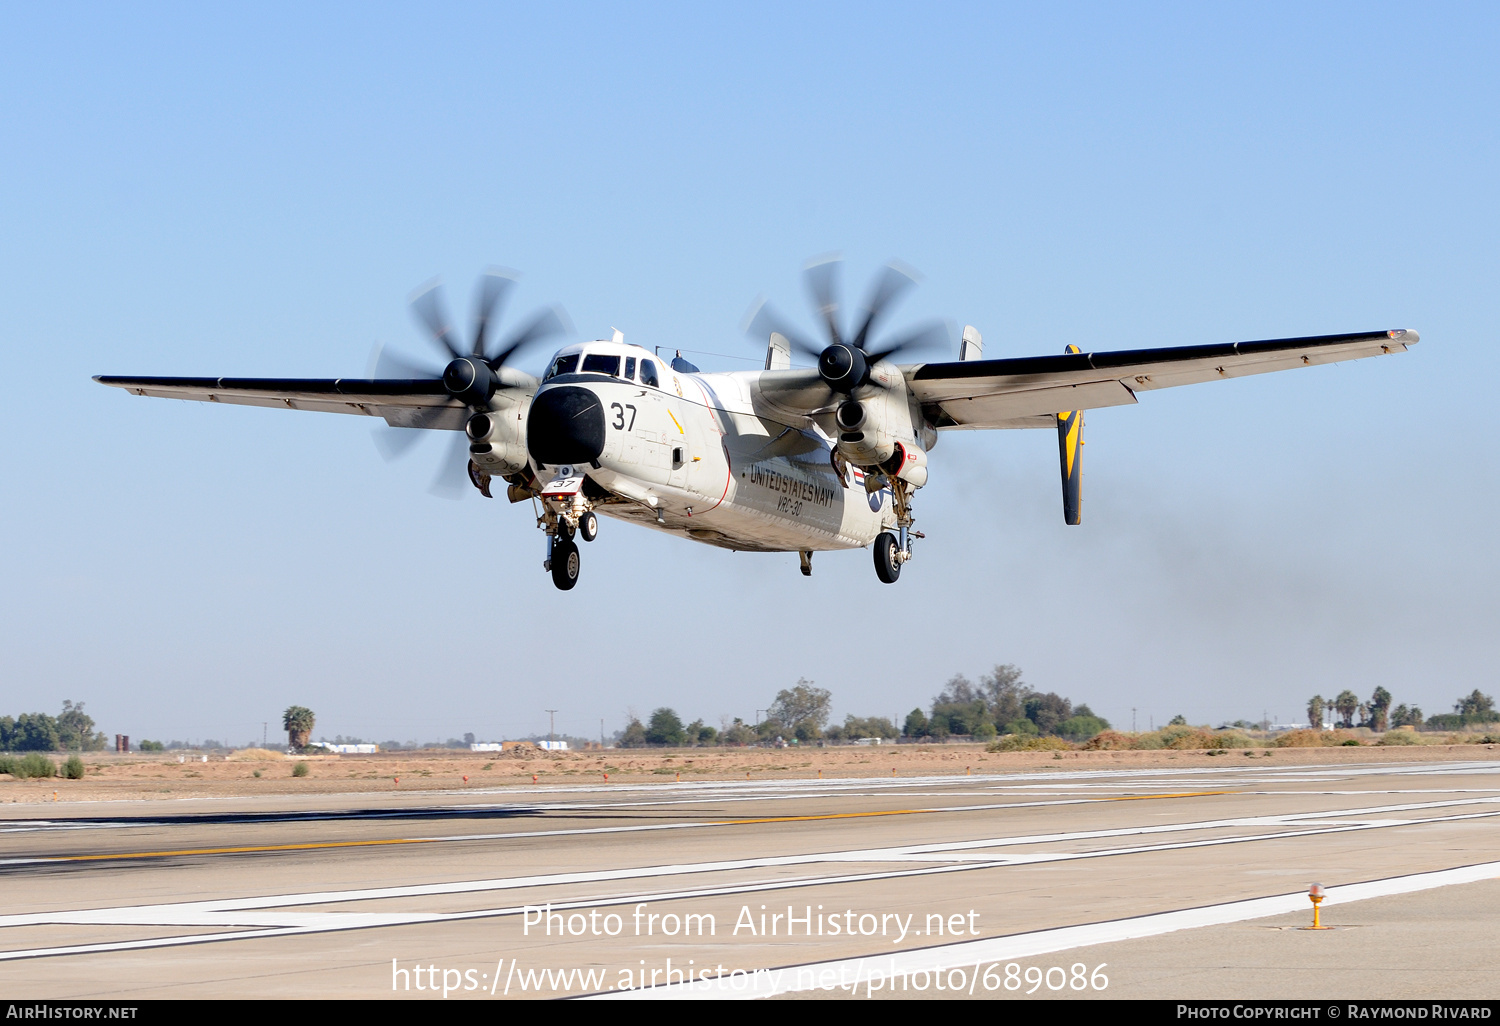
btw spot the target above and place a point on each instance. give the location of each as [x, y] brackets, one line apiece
[1069, 451]
[778, 352]
[971, 346]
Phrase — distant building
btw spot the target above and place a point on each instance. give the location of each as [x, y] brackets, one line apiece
[553, 746]
[487, 746]
[351, 749]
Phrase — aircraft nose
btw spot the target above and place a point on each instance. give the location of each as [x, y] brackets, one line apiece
[566, 425]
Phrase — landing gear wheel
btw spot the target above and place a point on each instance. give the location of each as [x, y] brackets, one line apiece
[588, 526]
[565, 564]
[887, 562]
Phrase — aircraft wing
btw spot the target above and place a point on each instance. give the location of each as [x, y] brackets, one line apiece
[416, 403]
[1029, 391]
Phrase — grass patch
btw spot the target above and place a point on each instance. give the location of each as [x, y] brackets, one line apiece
[256, 755]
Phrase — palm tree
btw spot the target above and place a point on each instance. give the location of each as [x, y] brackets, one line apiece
[297, 721]
[1315, 709]
[1380, 704]
[1347, 704]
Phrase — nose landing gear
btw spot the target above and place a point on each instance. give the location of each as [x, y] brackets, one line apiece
[563, 521]
[564, 562]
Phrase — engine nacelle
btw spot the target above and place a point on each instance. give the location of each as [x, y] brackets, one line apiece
[863, 438]
[497, 439]
[909, 463]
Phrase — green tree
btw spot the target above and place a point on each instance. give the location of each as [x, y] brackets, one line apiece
[633, 736]
[1404, 717]
[802, 710]
[738, 733]
[1082, 725]
[1346, 705]
[297, 721]
[960, 708]
[916, 724]
[856, 728]
[75, 730]
[700, 733]
[1006, 692]
[1380, 709]
[35, 732]
[1476, 708]
[665, 728]
[1047, 711]
[1315, 708]
[1178, 721]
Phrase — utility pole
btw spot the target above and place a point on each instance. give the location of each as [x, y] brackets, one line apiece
[263, 724]
[601, 732]
[551, 725]
[1132, 719]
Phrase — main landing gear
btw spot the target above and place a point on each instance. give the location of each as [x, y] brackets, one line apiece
[893, 550]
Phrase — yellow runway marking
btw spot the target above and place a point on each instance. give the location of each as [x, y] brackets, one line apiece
[1183, 794]
[250, 849]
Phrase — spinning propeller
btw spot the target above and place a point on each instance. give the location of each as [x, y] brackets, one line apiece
[844, 363]
[472, 375]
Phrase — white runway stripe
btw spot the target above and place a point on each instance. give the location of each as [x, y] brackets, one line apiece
[972, 958]
[250, 911]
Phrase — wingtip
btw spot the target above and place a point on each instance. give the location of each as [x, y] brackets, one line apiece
[1406, 336]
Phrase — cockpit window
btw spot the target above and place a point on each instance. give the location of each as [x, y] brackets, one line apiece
[648, 374]
[564, 365]
[598, 363]
[630, 368]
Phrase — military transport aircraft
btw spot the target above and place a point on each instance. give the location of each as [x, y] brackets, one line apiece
[783, 459]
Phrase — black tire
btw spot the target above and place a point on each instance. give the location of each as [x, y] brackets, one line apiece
[588, 526]
[887, 566]
[565, 565]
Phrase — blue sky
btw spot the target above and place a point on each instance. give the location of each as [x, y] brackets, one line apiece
[257, 190]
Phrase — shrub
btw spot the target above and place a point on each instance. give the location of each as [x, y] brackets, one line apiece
[33, 764]
[153, 746]
[1081, 727]
[1399, 737]
[1315, 739]
[1109, 741]
[299, 770]
[73, 768]
[1028, 743]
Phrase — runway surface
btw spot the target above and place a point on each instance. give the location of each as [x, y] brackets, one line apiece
[1070, 884]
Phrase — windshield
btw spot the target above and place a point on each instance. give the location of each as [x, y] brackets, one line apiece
[598, 363]
[648, 374]
[563, 365]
